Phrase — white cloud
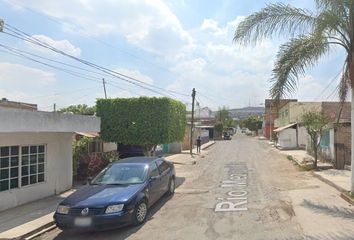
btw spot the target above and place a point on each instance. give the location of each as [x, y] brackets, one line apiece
[16, 75]
[135, 74]
[204, 57]
[62, 45]
[21, 83]
[148, 24]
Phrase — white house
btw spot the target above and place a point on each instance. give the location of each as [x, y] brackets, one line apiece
[36, 153]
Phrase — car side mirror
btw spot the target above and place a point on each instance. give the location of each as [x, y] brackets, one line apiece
[89, 179]
[152, 179]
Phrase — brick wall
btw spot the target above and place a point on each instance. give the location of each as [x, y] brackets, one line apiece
[342, 140]
[331, 110]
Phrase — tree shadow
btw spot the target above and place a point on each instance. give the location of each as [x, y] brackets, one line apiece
[323, 236]
[333, 211]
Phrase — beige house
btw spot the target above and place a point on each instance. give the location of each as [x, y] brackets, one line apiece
[290, 132]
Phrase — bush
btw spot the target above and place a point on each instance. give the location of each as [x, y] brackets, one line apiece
[98, 161]
[144, 121]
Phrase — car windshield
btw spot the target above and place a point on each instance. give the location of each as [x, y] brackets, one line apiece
[117, 174]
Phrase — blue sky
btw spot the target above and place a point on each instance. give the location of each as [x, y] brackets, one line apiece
[173, 44]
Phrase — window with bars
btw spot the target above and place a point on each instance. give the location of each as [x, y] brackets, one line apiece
[9, 167]
[21, 166]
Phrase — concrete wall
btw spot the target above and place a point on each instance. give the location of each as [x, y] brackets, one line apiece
[58, 167]
[18, 120]
[287, 138]
[292, 112]
[108, 147]
[302, 137]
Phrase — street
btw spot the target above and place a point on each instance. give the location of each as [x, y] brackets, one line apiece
[240, 189]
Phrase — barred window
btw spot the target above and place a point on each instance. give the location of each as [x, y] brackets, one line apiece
[21, 166]
[9, 167]
[32, 164]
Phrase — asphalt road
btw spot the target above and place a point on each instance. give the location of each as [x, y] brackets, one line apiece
[240, 189]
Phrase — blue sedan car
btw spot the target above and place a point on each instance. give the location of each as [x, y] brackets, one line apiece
[120, 194]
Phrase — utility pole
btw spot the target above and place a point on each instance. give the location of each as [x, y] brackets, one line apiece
[270, 121]
[104, 88]
[54, 107]
[1, 25]
[192, 123]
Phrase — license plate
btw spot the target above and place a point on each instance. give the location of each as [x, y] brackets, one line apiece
[82, 222]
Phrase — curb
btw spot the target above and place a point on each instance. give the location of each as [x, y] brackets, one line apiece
[39, 231]
[339, 188]
[347, 198]
[211, 144]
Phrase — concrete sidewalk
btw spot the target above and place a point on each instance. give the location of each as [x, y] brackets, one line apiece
[28, 219]
[302, 158]
[339, 179]
[188, 159]
[23, 220]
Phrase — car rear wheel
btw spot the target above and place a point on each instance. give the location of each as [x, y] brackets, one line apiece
[140, 213]
[171, 186]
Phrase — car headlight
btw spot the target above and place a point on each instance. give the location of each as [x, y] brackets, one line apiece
[63, 209]
[114, 208]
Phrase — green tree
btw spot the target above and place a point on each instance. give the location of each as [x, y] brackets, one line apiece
[218, 127]
[312, 36]
[223, 116]
[253, 123]
[144, 121]
[314, 123]
[82, 109]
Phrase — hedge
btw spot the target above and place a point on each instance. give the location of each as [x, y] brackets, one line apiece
[144, 121]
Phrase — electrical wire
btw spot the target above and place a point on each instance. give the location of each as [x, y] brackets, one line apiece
[14, 32]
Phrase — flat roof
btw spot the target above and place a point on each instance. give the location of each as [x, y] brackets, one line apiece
[20, 120]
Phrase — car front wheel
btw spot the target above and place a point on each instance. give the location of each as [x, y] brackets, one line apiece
[140, 213]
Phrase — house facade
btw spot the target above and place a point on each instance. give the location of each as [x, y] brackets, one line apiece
[271, 113]
[36, 153]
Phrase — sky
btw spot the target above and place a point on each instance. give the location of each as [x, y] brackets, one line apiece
[175, 45]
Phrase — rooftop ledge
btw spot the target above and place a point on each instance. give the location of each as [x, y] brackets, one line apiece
[19, 120]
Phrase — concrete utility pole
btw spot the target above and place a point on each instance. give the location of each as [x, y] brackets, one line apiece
[2, 23]
[54, 107]
[270, 121]
[192, 123]
[104, 88]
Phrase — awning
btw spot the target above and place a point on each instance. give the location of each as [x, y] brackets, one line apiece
[285, 127]
[88, 134]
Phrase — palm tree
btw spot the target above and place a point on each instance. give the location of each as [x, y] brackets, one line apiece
[312, 35]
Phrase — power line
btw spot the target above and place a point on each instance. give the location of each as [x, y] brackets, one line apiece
[96, 39]
[26, 37]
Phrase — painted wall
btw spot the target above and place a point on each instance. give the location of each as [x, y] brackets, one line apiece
[287, 138]
[108, 147]
[303, 137]
[292, 112]
[58, 167]
[18, 120]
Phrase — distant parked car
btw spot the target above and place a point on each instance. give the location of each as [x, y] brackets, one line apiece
[227, 136]
[119, 195]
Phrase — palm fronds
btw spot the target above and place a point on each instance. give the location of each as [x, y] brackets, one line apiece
[292, 60]
[275, 19]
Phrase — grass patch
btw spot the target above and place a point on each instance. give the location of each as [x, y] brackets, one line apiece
[349, 194]
[301, 167]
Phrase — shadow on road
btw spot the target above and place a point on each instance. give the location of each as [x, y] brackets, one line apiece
[324, 236]
[329, 210]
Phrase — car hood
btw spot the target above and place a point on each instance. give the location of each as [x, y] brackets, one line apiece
[102, 195]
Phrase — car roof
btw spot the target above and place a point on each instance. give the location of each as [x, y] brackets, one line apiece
[145, 160]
